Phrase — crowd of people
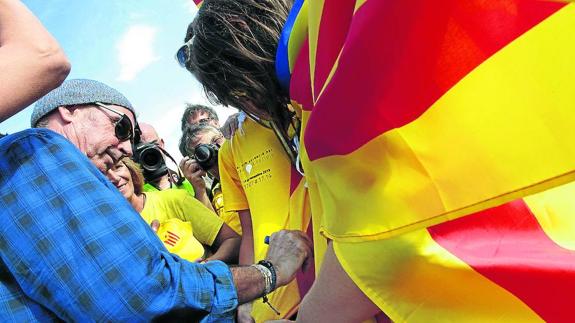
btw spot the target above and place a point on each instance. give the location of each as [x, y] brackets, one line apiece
[100, 223]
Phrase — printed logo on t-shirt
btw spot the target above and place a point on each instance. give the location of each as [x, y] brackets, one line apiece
[250, 172]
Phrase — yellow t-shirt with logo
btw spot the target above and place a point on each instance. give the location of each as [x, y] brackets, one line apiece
[255, 174]
[185, 223]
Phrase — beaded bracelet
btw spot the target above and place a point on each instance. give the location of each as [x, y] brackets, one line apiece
[267, 277]
[270, 279]
[272, 270]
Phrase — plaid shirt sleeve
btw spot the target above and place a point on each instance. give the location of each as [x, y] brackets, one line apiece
[73, 248]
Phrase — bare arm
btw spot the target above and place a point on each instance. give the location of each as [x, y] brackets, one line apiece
[249, 283]
[31, 61]
[246, 257]
[247, 244]
[227, 245]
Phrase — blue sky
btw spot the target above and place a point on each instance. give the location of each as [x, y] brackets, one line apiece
[129, 45]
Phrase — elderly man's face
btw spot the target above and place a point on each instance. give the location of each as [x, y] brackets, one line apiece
[95, 135]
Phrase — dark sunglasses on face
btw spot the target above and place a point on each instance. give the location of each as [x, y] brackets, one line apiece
[123, 126]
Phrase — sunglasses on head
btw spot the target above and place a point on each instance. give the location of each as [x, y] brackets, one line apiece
[123, 126]
[183, 54]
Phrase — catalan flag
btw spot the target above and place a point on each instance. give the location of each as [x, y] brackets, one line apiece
[427, 111]
[511, 263]
[437, 148]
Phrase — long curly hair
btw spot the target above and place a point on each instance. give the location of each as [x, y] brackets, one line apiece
[233, 52]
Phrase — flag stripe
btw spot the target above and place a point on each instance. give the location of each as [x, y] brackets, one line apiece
[315, 10]
[562, 200]
[282, 64]
[334, 24]
[507, 245]
[396, 62]
[412, 279]
[306, 279]
[508, 142]
[298, 36]
[300, 89]
[295, 179]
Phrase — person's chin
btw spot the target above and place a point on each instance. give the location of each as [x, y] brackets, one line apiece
[123, 190]
[103, 164]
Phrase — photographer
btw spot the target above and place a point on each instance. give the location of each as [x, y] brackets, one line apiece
[200, 144]
[199, 114]
[151, 155]
[74, 249]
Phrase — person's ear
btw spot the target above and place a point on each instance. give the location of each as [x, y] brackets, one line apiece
[66, 113]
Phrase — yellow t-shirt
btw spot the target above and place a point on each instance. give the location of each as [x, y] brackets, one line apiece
[255, 173]
[231, 218]
[185, 223]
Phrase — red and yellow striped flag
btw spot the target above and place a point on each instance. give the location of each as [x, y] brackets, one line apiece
[419, 113]
[511, 263]
[427, 111]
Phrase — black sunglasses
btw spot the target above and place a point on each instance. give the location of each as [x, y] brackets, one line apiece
[123, 126]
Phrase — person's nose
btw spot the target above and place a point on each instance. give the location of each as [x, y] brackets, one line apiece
[113, 177]
[126, 148]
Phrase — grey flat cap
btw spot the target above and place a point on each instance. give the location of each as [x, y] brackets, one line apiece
[78, 91]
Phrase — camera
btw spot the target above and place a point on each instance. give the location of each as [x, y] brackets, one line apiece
[150, 157]
[206, 155]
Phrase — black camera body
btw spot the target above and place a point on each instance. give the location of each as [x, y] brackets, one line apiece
[206, 155]
[150, 157]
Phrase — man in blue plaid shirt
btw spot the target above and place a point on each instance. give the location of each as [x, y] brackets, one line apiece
[71, 246]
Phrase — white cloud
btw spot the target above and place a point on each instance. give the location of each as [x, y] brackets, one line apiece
[136, 51]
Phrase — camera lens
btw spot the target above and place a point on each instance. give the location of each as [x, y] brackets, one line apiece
[206, 155]
[202, 154]
[151, 159]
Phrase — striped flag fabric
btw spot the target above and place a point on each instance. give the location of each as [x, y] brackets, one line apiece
[510, 263]
[426, 111]
[438, 134]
